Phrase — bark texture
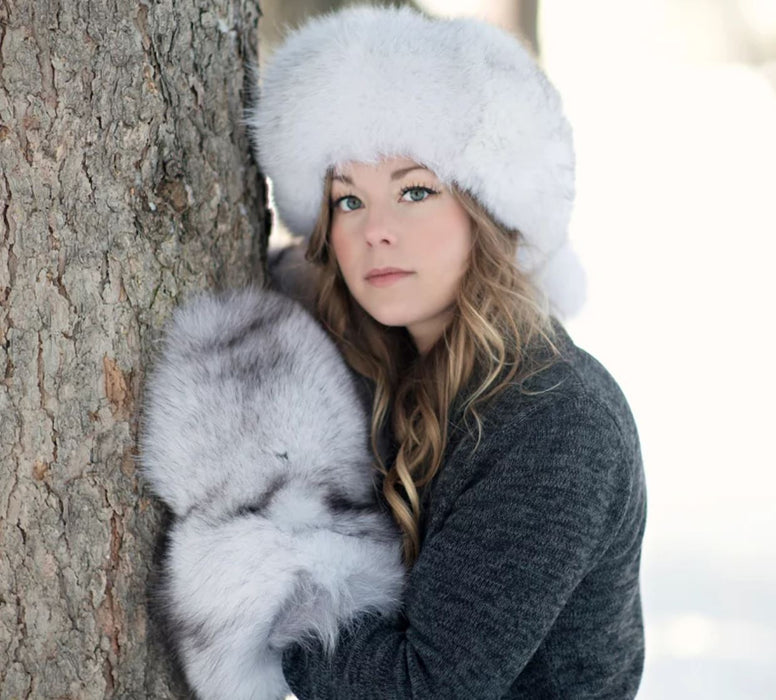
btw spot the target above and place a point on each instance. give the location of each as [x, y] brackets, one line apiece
[125, 184]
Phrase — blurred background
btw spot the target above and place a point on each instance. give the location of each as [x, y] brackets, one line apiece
[673, 104]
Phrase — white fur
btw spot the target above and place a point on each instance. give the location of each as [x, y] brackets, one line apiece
[462, 97]
[562, 278]
[251, 427]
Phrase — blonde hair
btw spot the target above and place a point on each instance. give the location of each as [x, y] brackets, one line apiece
[482, 351]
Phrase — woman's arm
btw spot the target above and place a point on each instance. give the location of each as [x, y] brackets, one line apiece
[546, 499]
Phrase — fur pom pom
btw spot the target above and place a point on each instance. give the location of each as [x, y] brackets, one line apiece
[562, 278]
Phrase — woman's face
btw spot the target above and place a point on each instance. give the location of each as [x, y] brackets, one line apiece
[402, 242]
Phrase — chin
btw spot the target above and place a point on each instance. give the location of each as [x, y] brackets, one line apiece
[390, 317]
[392, 320]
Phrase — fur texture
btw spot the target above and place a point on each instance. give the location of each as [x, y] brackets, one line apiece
[254, 436]
[462, 97]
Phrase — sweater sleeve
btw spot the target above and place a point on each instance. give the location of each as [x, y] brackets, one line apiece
[530, 516]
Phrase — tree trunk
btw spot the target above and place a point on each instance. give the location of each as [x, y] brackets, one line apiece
[125, 184]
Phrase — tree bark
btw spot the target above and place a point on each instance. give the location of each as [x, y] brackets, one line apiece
[126, 183]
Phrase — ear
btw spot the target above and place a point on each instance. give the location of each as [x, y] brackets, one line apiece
[292, 275]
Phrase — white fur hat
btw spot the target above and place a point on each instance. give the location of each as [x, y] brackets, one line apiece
[460, 96]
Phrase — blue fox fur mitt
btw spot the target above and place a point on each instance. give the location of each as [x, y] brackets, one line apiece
[254, 436]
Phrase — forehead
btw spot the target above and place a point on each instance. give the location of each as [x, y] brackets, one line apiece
[384, 166]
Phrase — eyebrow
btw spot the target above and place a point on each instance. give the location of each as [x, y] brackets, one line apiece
[395, 175]
[398, 174]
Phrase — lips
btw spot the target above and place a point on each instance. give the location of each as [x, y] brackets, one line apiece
[383, 276]
[382, 271]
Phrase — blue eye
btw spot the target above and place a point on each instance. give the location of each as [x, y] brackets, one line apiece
[416, 194]
[348, 203]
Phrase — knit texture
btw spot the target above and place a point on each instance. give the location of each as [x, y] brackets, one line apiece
[527, 583]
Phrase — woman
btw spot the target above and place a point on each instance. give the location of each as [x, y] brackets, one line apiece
[513, 468]
[430, 166]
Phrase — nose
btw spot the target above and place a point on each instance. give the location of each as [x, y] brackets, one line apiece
[379, 227]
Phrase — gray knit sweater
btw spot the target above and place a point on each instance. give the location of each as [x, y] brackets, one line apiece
[527, 583]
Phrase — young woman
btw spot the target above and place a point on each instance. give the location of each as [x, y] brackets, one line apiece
[430, 166]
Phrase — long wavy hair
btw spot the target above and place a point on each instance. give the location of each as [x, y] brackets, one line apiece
[497, 316]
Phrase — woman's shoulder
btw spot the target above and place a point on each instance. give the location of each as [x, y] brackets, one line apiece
[573, 387]
[564, 439]
[567, 418]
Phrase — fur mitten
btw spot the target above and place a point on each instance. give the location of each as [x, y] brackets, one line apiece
[255, 438]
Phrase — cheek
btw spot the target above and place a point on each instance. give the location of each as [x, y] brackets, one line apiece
[450, 243]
